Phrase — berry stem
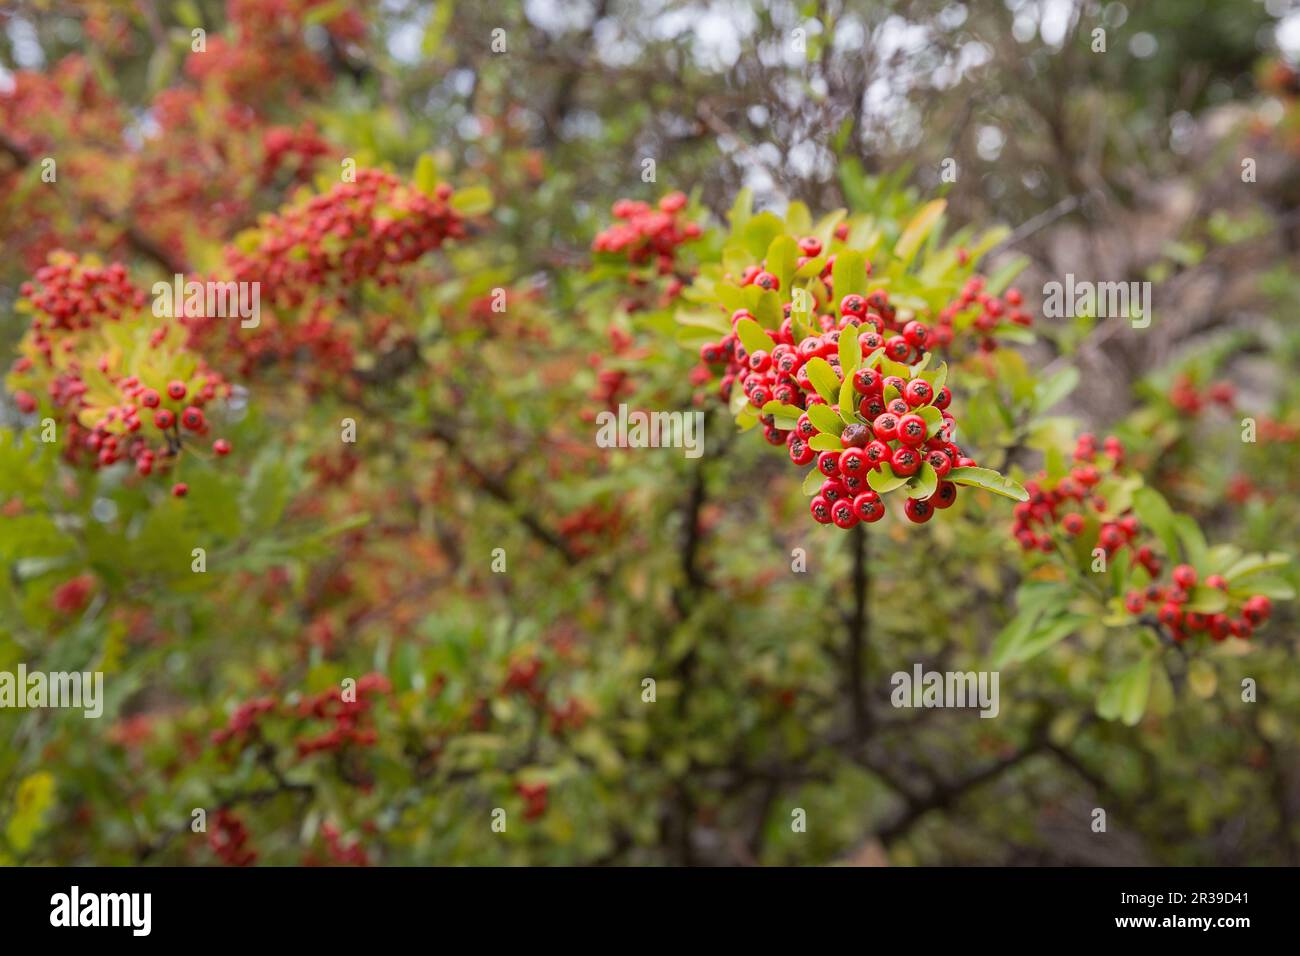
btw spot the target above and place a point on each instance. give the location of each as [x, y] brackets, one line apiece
[859, 634]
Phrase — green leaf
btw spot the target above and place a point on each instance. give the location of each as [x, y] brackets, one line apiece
[759, 232]
[1002, 278]
[850, 353]
[924, 482]
[1273, 588]
[989, 480]
[786, 416]
[848, 401]
[1033, 598]
[1154, 512]
[812, 482]
[1254, 564]
[936, 377]
[823, 378]
[426, 174]
[741, 210]
[1047, 632]
[825, 420]
[916, 231]
[782, 255]
[710, 319]
[883, 480]
[472, 201]
[825, 441]
[1135, 687]
[1050, 391]
[1205, 600]
[933, 419]
[849, 274]
[753, 337]
[1192, 538]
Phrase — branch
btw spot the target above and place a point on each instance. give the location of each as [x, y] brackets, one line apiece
[498, 490]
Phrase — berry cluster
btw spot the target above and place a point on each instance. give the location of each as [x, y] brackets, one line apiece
[1067, 502]
[350, 717]
[351, 853]
[355, 231]
[978, 310]
[1190, 400]
[534, 795]
[647, 234]
[104, 368]
[1173, 600]
[900, 425]
[229, 840]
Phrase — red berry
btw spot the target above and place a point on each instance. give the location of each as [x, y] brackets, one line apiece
[885, 427]
[180, 489]
[868, 507]
[917, 334]
[1134, 602]
[1072, 523]
[1257, 609]
[843, 515]
[176, 390]
[943, 399]
[855, 436]
[875, 453]
[221, 446]
[1185, 576]
[164, 418]
[871, 407]
[192, 418]
[918, 392]
[911, 430]
[866, 381]
[828, 463]
[905, 461]
[149, 398]
[939, 461]
[918, 510]
[853, 305]
[800, 453]
[821, 510]
[1170, 614]
[853, 461]
[1216, 581]
[944, 495]
[897, 348]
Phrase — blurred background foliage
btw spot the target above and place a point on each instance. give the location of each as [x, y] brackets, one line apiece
[523, 690]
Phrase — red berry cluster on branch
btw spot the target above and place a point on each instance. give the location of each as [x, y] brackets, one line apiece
[1062, 508]
[229, 839]
[1175, 608]
[355, 231]
[111, 390]
[646, 234]
[902, 423]
[352, 724]
[984, 313]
